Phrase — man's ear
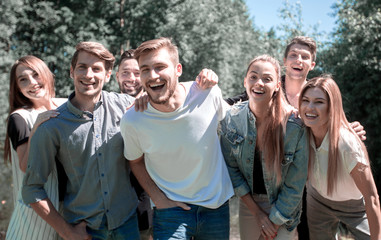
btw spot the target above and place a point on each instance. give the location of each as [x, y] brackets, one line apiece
[108, 75]
[71, 72]
[312, 66]
[179, 70]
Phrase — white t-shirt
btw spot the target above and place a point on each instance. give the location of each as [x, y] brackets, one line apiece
[181, 148]
[351, 153]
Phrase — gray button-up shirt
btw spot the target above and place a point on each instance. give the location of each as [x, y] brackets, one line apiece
[90, 148]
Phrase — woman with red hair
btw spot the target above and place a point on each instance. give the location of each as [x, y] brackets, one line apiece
[31, 102]
[340, 188]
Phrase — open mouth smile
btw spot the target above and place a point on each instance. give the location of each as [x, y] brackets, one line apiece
[156, 86]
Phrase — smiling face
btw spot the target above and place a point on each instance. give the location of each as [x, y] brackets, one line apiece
[30, 83]
[299, 62]
[261, 82]
[89, 76]
[314, 109]
[128, 77]
[159, 75]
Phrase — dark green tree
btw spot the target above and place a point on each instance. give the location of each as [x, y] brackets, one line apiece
[354, 58]
[8, 23]
[214, 34]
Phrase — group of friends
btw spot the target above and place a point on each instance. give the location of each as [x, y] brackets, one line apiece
[188, 151]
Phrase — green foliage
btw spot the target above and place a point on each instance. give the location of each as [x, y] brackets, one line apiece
[292, 26]
[213, 34]
[354, 58]
[210, 34]
[8, 22]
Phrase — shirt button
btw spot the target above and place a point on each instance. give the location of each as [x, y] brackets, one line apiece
[250, 142]
[248, 160]
[99, 154]
[102, 175]
[105, 193]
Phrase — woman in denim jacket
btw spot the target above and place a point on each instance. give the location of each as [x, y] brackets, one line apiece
[265, 148]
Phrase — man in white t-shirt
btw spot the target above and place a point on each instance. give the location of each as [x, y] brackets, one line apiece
[174, 149]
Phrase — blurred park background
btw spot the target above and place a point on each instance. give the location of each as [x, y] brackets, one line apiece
[215, 34]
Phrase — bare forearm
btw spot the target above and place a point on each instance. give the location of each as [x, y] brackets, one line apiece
[362, 175]
[46, 211]
[372, 207]
[250, 203]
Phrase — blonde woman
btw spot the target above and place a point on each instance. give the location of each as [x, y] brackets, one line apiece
[340, 188]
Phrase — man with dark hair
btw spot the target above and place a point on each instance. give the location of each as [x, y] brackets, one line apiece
[99, 201]
[128, 78]
[128, 75]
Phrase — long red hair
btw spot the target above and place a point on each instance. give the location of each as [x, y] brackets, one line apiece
[16, 99]
[337, 121]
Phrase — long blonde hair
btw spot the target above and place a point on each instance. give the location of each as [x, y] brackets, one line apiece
[337, 120]
[271, 137]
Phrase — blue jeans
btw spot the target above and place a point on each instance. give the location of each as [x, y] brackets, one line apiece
[200, 223]
[128, 230]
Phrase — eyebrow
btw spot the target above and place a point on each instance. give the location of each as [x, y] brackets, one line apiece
[24, 75]
[130, 68]
[264, 74]
[299, 50]
[304, 96]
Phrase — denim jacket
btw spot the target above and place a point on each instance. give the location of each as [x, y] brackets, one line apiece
[238, 139]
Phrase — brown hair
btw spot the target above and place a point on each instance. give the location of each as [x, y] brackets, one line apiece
[336, 122]
[96, 49]
[16, 99]
[271, 138]
[156, 44]
[128, 54]
[302, 40]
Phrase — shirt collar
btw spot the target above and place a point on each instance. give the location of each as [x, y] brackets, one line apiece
[79, 113]
[324, 145]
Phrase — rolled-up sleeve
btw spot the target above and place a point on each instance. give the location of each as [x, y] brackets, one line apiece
[41, 162]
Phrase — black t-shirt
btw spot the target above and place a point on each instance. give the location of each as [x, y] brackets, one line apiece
[18, 130]
[258, 181]
[242, 97]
